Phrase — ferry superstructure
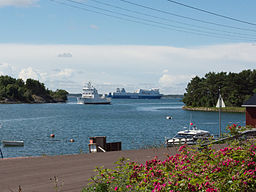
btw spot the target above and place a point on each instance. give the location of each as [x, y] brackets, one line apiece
[90, 96]
[139, 94]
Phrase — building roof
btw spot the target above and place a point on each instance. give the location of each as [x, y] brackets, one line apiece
[251, 102]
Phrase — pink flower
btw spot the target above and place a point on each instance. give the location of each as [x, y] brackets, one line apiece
[116, 188]
[211, 190]
[182, 147]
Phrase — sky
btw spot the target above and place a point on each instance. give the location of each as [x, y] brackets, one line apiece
[125, 43]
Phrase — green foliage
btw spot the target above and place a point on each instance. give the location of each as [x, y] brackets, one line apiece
[17, 91]
[59, 94]
[235, 89]
[232, 168]
[36, 87]
[235, 129]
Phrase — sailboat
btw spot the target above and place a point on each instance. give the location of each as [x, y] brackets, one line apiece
[220, 102]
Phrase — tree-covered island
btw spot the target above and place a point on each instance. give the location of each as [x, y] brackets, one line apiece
[32, 91]
[202, 93]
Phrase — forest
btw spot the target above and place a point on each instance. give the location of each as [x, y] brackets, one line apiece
[235, 89]
[32, 91]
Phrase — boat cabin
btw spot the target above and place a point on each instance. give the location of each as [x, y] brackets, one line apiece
[89, 91]
[190, 136]
[250, 105]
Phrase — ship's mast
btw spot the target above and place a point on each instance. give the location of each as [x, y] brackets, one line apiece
[220, 104]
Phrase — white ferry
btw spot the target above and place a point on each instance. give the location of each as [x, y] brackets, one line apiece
[139, 94]
[90, 96]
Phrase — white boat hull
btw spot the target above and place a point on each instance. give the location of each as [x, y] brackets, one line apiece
[172, 142]
[93, 101]
[13, 143]
[190, 137]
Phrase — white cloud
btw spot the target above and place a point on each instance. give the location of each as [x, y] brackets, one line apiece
[18, 3]
[132, 67]
[171, 80]
[94, 27]
[65, 55]
[29, 73]
[165, 71]
[6, 69]
[65, 73]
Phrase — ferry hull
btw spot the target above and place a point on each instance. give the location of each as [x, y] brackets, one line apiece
[135, 97]
[139, 94]
[93, 101]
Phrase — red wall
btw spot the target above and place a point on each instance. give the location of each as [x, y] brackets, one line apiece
[251, 116]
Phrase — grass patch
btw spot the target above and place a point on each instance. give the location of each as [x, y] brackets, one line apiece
[226, 109]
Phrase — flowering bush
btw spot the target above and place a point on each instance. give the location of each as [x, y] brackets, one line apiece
[235, 129]
[230, 169]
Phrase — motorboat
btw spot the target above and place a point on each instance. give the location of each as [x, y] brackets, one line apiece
[13, 143]
[90, 96]
[189, 136]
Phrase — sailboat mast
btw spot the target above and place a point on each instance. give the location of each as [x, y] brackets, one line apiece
[220, 105]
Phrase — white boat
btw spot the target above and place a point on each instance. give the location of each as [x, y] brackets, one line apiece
[190, 136]
[12, 143]
[90, 96]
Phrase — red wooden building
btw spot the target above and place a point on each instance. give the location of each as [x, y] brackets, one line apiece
[250, 105]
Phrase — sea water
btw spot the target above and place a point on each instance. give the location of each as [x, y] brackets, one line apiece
[137, 123]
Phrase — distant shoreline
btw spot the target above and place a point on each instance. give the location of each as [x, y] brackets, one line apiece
[162, 97]
[172, 96]
[215, 109]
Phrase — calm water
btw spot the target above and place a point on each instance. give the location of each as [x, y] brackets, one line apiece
[136, 123]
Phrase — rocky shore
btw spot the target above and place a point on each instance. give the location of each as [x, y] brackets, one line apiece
[36, 99]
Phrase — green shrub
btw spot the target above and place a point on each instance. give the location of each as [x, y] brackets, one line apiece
[232, 168]
[235, 129]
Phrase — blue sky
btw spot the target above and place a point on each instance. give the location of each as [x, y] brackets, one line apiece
[64, 46]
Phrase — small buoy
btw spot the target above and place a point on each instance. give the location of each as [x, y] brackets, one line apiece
[169, 117]
[72, 140]
[52, 135]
